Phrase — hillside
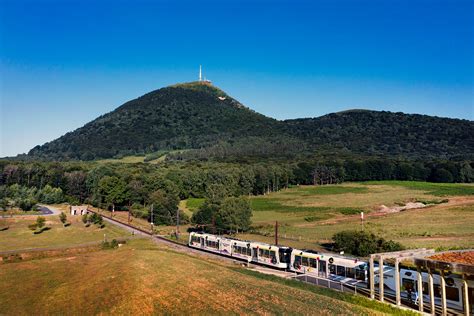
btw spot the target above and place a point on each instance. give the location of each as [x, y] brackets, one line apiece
[177, 117]
[203, 117]
[389, 134]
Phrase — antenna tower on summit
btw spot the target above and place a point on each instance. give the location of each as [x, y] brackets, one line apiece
[201, 80]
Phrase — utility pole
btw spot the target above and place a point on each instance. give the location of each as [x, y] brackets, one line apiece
[362, 220]
[276, 233]
[129, 207]
[152, 222]
[177, 224]
[213, 224]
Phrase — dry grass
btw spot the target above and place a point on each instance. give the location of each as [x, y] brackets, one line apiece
[141, 279]
[19, 236]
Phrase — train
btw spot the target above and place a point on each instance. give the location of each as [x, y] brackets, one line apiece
[344, 269]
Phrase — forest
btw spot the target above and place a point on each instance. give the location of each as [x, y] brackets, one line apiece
[136, 187]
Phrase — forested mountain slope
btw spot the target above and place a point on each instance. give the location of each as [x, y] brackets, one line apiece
[386, 133]
[202, 117]
[177, 117]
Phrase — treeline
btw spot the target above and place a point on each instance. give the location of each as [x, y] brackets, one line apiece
[138, 186]
[26, 198]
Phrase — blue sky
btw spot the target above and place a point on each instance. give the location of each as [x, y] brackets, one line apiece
[63, 63]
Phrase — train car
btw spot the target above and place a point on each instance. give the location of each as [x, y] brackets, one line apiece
[241, 249]
[409, 286]
[328, 265]
[250, 251]
[270, 255]
[212, 243]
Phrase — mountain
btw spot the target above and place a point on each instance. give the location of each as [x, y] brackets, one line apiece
[191, 115]
[202, 117]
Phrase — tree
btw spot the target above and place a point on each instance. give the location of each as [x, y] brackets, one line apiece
[234, 214]
[228, 215]
[165, 207]
[206, 213]
[466, 172]
[113, 190]
[442, 175]
[26, 204]
[361, 243]
[50, 195]
[40, 222]
[63, 218]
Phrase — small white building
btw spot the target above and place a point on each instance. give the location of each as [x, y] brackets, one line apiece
[78, 209]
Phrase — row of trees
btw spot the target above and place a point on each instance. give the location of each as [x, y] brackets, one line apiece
[26, 198]
[137, 187]
[220, 213]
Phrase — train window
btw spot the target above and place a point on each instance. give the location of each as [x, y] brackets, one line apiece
[312, 263]
[360, 274]
[260, 252]
[408, 284]
[297, 261]
[212, 244]
[249, 252]
[452, 293]
[341, 270]
[266, 253]
[305, 262]
[272, 254]
[350, 272]
[332, 269]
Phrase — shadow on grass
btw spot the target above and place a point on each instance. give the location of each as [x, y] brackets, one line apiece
[67, 224]
[41, 230]
[4, 228]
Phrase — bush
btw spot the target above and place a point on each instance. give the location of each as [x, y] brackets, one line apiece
[110, 245]
[85, 218]
[40, 221]
[361, 243]
[32, 226]
[26, 204]
[63, 218]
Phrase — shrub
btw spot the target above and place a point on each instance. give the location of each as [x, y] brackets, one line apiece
[63, 218]
[361, 243]
[33, 226]
[85, 218]
[40, 221]
[26, 204]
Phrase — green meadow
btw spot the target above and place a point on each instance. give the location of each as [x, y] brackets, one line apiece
[309, 216]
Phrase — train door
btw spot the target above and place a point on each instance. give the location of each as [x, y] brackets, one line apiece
[202, 242]
[255, 254]
[322, 268]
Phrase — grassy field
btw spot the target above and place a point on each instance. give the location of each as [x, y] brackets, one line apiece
[19, 236]
[143, 278]
[310, 215]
